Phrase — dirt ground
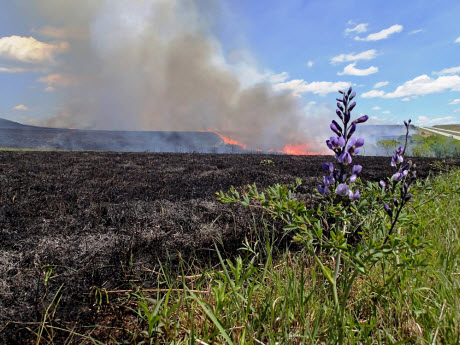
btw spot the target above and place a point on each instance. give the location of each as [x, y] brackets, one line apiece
[79, 220]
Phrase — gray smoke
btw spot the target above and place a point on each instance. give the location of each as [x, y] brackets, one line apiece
[156, 65]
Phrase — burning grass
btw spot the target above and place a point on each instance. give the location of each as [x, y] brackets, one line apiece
[76, 225]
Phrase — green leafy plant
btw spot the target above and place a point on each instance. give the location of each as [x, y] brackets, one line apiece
[348, 234]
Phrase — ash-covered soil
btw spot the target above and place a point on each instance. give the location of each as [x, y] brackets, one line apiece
[79, 220]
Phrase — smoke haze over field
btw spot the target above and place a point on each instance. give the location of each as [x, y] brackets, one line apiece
[155, 65]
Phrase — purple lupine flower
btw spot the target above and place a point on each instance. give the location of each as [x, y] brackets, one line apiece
[347, 117]
[362, 119]
[342, 189]
[408, 196]
[344, 158]
[352, 130]
[395, 201]
[400, 150]
[398, 176]
[354, 196]
[395, 159]
[388, 210]
[329, 167]
[349, 91]
[335, 129]
[352, 95]
[356, 169]
[339, 114]
[340, 106]
[323, 190]
[383, 183]
[353, 178]
[335, 143]
[352, 105]
[328, 180]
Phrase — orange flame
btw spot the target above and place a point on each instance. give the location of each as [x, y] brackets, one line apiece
[228, 140]
[301, 149]
[298, 149]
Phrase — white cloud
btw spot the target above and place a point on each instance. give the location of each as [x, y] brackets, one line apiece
[406, 99]
[278, 78]
[385, 33]
[13, 70]
[376, 108]
[311, 103]
[446, 71]
[386, 112]
[421, 85]
[457, 110]
[373, 94]
[300, 86]
[351, 70]
[413, 32]
[366, 55]
[457, 40]
[380, 84]
[29, 50]
[21, 107]
[310, 63]
[360, 28]
[427, 121]
[455, 101]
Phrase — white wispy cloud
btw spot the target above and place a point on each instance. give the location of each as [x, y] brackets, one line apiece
[57, 79]
[21, 107]
[446, 71]
[386, 112]
[428, 121]
[385, 33]
[30, 50]
[366, 55]
[455, 101]
[380, 84]
[457, 110]
[406, 99]
[360, 28]
[300, 86]
[413, 32]
[421, 85]
[376, 108]
[457, 40]
[310, 63]
[13, 70]
[373, 94]
[352, 70]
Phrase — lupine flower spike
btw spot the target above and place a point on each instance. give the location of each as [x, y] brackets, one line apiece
[345, 146]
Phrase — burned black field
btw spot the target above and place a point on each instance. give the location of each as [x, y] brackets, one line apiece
[80, 220]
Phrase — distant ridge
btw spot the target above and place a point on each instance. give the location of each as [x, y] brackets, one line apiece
[8, 124]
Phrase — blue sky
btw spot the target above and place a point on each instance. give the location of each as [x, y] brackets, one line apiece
[402, 57]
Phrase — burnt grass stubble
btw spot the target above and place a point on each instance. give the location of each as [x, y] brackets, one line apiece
[107, 219]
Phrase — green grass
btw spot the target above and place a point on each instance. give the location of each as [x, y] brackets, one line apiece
[434, 145]
[264, 297]
[450, 127]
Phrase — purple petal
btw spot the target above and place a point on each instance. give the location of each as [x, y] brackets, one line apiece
[341, 142]
[352, 130]
[342, 189]
[323, 190]
[352, 105]
[359, 142]
[356, 169]
[353, 178]
[383, 183]
[362, 119]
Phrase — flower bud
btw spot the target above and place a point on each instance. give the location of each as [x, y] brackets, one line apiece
[388, 210]
[362, 119]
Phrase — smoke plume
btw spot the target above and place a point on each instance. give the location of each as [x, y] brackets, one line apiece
[156, 65]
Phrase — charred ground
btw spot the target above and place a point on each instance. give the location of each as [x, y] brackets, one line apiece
[102, 219]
